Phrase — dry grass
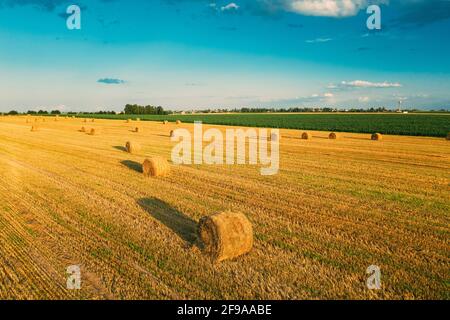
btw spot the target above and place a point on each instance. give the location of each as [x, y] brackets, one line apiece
[335, 208]
[225, 235]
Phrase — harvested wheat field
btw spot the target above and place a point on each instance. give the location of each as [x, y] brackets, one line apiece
[335, 208]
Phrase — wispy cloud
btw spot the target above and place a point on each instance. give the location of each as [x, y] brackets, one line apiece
[231, 6]
[111, 81]
[319, 40]
[365, 84]
[328, 8]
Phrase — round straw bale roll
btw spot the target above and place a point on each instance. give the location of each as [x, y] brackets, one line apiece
[178, 122]
[94, 131]
[165, 122]
[306, 136]
[273, 137]
[172, 133]
[138, 130]
[34, 128]
[225, 235]
[133, 147]
[377, 137]
[448, 136]
[83, 129]
[155, 167]
[333, 136]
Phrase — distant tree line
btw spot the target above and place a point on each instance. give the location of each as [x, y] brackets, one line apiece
[40, 112]
[137, 109]
[153, 110]
[298, 110]
[287, 110]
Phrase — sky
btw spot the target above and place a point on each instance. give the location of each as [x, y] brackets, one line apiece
[197, 54]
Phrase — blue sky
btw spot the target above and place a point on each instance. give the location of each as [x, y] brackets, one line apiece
[190, 54]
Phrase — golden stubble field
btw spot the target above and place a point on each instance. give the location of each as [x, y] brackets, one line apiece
[335, 208]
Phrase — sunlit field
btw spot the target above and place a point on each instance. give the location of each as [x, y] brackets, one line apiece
[335, 208]
[416, 124]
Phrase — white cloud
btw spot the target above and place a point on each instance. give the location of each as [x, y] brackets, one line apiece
[230, 6]
[363, 99]
[368, 84]
[319, 40]
[329, 8]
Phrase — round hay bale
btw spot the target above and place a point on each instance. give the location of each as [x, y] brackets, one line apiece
[178, 122]
[165, 122]
[85, 120]
[83, 129]
[448, 136]
[273, 137]
[93, 120]
[225, 235]
[138, 130]
[377, 137]
[133, 147]
[138, 119]
[128, 120]
[333, 136]
[172, 133]
[306, 136]
[93, 131]
[155, 167]
[34, 128]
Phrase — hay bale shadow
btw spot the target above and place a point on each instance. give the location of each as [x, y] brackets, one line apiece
[133, 165]
[162, 135]
[121, 148]
[356, 138]
[182, 225]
